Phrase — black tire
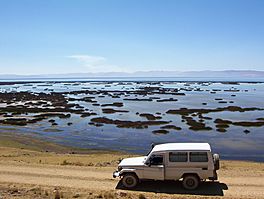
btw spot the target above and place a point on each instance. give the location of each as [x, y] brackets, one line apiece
[190, 182]
[130, 180]
[216, 161]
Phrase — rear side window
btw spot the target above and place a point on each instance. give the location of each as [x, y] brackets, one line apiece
[198, 157]
[178, 156]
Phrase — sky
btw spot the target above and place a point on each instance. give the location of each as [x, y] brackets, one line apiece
[80, 36]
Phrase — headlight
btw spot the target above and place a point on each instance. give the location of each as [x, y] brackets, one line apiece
[119, 168]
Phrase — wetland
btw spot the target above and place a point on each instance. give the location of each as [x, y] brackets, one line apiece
[130, 115]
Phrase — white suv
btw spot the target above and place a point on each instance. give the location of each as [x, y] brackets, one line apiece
[191, 162]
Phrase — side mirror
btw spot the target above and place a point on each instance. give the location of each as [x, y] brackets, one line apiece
[148, 163]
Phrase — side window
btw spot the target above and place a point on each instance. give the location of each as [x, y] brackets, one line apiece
[178, 156]
[198, 157]
[156, 160]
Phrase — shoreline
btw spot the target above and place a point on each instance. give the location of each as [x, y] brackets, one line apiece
[13, 140]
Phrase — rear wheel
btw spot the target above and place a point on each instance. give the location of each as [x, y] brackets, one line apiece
[190, 182]
[130, 180]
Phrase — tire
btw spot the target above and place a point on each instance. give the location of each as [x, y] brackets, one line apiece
[190, 182]
[130, 180]
[216, 162]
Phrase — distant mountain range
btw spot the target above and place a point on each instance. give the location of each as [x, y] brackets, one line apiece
[207, 73]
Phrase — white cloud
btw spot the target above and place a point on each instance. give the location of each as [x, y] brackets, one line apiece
[89, 60]
[96, 63]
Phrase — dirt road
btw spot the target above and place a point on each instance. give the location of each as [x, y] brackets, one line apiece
[235, 182]
[66, 176]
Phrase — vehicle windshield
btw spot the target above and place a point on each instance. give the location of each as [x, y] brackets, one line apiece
[152, 146]
[149, 152]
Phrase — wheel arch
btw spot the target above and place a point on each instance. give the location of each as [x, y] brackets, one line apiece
[129, 171]
[193, 174]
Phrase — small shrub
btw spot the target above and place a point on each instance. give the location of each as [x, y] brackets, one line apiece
[141, 196]
[77, 195]
[56, 194]
[109, 195]
[64, 162]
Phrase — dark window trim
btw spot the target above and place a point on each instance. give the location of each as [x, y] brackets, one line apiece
[158, 155]
[207, 159]
[179, 152]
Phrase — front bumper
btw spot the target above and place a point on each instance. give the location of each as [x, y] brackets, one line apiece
[116, 174]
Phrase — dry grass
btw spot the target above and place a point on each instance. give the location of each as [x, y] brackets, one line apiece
[241, 168]
[32, 151]
[39, 192]
[34, 192]
[141, 196]
[34, 157]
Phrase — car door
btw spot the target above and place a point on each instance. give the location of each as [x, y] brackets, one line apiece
[155, 170]
[177, 165]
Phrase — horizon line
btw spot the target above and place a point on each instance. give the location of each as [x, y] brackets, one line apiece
[162, 71]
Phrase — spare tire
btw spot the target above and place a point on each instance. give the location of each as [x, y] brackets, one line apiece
[216, 161]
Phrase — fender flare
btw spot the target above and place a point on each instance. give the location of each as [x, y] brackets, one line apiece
[191, 173]
[124, 171]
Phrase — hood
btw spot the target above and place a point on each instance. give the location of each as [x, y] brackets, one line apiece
[138, 161]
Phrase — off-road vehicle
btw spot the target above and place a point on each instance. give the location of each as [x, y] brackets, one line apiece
[189, 162]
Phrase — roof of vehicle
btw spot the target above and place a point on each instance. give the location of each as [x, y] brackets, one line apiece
[182, 147]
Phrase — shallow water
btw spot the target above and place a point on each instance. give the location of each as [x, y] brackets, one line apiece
[232, 144]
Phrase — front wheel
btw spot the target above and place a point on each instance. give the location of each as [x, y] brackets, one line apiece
[190, 182]
[130, 180]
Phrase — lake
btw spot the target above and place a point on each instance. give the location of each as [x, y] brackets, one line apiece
[130, 114]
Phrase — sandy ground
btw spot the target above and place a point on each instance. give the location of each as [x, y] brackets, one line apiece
[31, 174]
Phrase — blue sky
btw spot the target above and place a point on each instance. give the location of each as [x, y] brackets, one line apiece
[75, 36]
